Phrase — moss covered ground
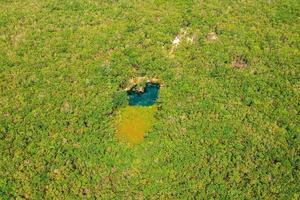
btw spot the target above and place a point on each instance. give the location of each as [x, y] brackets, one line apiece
[133, 122]
[227, 126]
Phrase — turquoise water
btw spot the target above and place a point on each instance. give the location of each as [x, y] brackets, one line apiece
[146, 98]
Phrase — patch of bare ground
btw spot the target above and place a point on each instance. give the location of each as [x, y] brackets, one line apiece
[182, 35]
[239, 62]
[212, 36]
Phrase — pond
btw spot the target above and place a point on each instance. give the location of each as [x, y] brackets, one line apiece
[146, 98]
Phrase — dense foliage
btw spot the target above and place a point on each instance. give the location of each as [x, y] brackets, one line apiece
[228, 120]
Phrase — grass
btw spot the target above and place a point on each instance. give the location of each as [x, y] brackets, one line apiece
[133, 122]
[228, 123]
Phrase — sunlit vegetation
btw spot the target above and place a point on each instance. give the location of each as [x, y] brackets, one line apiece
[227, 118]
[132, 122]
